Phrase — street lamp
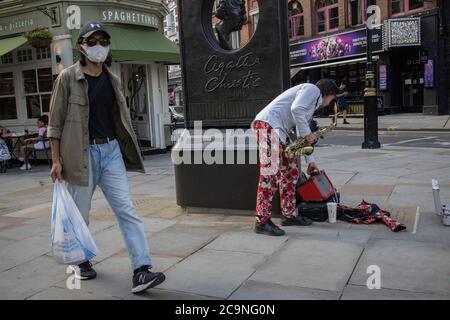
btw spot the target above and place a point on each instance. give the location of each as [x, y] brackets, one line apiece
[370, 95]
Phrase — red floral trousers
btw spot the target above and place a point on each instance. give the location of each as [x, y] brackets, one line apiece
[275, 170]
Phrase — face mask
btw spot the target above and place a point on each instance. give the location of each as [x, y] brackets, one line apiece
[96, 53]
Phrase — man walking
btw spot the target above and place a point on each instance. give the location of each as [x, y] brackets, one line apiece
[294, 108]
[93, 144]
[341, 104]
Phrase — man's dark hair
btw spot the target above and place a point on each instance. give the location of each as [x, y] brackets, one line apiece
[327, 87]
[44, 119]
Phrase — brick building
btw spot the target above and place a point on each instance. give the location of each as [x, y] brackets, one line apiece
[413, 74]
[327, 40]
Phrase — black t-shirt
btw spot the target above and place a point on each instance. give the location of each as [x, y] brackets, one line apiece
[101, 102]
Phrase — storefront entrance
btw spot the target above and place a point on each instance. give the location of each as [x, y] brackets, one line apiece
[413, 90]
[135, 87]
[407, 80]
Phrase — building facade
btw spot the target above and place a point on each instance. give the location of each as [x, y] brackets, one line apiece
[413, 76]
[139, 49]
[171, 30]
[238, 39]
[328, 40]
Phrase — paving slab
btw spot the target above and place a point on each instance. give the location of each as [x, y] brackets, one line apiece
[352, 292]
[57, 293]
[31, 277]
[114, 276]
[362, 190]
[253, 290]
[32, 212]
[247, 242]
[182, 240]
[154, 225]
[8, 222]
[25, 231]
[22, 251]
[160, 294]
[212, 273]
[308, 263]
[373, 179]
[407, 265]
[4, 242]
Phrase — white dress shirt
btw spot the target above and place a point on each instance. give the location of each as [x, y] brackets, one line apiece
[293, 108]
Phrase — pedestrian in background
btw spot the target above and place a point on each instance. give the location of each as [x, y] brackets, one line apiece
[341, 104]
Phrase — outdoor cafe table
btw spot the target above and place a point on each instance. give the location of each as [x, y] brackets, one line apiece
[18, 141]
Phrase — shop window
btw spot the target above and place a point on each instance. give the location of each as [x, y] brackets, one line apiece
[24, 55]
[43, 53]
[327, 15]
[8, 108]
[296, 20]
[7, 58]
[171, 27]
[38, 87]
[403, 7]
[356, 12]
[415, 4]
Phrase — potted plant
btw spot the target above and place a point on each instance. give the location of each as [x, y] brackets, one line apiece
[39, 38]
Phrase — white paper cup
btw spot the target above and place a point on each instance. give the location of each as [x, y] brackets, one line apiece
[332, 211]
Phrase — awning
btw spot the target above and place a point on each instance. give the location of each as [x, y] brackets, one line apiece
[133, 44]
[9, 44]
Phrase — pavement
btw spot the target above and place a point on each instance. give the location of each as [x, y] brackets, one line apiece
[218, 256]
[395, 122]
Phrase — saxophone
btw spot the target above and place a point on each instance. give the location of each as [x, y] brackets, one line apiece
[301, 147]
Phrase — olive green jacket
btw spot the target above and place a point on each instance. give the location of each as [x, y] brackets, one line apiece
[69, 122]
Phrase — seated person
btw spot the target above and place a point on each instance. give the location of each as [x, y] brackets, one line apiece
[5, 132]
[6, 136]
[39, 143]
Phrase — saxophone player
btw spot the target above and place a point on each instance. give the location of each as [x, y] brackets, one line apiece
[294, 108]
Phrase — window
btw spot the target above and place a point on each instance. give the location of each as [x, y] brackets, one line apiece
[24, 55]
[43, 53]
[235, 40]
[296, 20]
[8, 108]
[415, 4]
[7, 58]
[402, 7]
[356, 12]
[171, 24]
[255, 19]
[38, 87]
[327, 15]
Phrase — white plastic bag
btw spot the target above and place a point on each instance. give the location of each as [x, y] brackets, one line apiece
[72, 242]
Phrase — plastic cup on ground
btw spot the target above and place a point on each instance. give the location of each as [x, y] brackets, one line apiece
[332, 211]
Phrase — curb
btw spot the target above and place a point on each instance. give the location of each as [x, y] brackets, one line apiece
[393, 129]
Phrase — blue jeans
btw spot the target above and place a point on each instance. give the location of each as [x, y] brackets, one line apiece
[107, 170]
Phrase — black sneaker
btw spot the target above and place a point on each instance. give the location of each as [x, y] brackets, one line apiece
[297, 221]
[144, 279]
[268, 228]
[346, 122]
[86, 271]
